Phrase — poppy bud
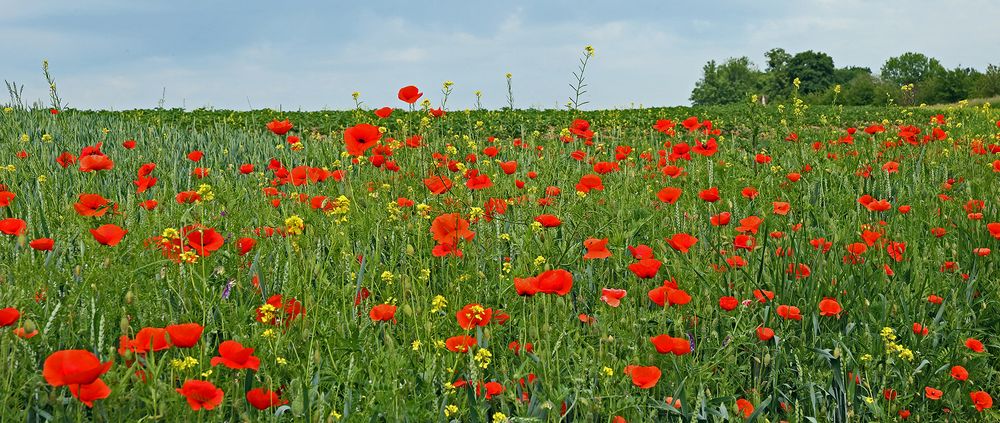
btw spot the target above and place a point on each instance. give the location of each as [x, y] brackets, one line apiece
[406, 310]
[767, 359]
[129, 297]
[317, 358]
[124, 325]
[410, 250]
[28, 325]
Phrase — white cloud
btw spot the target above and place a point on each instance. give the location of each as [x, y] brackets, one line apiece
[640, 59]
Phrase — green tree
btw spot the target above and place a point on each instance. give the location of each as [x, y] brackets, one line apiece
[844, 75]
[776, 82]
[730, 82]
[867, 90]
[948, 87]
[814, 70]
[911, 68]
[988, 85]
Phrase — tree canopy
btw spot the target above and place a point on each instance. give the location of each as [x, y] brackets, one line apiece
[821, 82]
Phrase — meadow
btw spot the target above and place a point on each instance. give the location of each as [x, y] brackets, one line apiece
[779, 263]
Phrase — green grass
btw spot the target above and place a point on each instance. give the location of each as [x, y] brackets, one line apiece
[335, 362]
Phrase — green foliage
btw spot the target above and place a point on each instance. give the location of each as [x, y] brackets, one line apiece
[732, 82]
[911, 68]
[818, 78]
[813, 69]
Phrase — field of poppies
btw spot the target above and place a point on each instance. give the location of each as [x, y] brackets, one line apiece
[780, 263]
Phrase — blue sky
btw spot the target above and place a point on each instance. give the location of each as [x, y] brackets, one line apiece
[115, 54]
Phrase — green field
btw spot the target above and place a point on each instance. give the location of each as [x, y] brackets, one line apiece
[802, 264]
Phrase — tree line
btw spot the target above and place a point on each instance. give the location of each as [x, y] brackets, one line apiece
[908, 79]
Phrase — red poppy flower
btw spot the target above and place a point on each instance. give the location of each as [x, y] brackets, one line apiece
[233, 355]
[666, 344]
[555, 281]
[994, 229]
[641, 252]
[596, 249]
[201, 394]
[981, 399]
[262, 399]
[13, 226]
[525, 287]
[185, 335]
[644, 377]
[280, 127]
[460, 343]
[478, 182]
[728, 303]
[383, 313]
[975, 345]
[548, 220]
[669, 195]
[669, 294]
[590, 182]
[195, 156]
[710, 195]
[9, 316]
[383, 112]
[6, 197]
[278, 309]
[91, 205]
[645, 268]
[581, 128]
[450, 229]
[409, 94]
[88, 393]
[244, 245]
[144, 183]
[744, 407]
[203, 240]
[95, 162]
[438, 184]
[146, 340]
[789, 312]
[721, 219]
[359, 138]
[959, 373]
[473, 315]
[682, 242]
[108, 234]
[65, 159]
[829, 307]
[42, 244]
[932, 393]
[73, 367]
[612, 297]
[765, 334]
[187, 197]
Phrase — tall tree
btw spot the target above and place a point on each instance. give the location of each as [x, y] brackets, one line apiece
[730, 82]
[813, 69]
[911, 68]
[776, 83]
